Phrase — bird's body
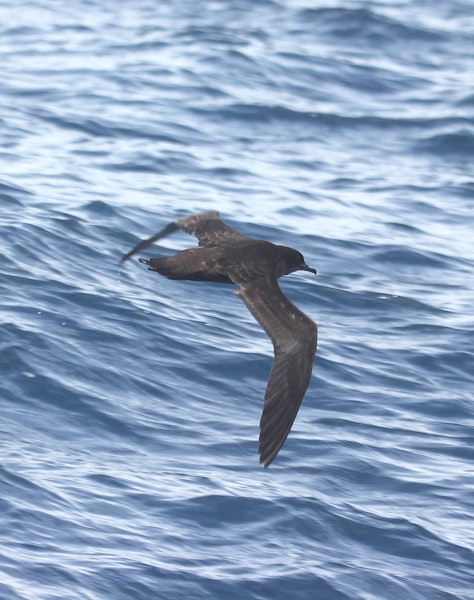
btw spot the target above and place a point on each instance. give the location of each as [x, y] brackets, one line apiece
[225, 256]
[230, 261]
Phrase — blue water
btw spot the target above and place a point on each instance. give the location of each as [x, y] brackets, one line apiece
[129, 403]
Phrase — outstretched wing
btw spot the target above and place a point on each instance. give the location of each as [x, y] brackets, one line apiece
[294, 338]
[207, 226]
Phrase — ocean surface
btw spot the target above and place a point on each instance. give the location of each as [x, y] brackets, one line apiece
[129, 404]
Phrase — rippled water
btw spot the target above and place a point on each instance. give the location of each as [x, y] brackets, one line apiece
[129, 403]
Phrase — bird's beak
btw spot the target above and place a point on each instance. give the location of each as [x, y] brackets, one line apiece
[305, 267]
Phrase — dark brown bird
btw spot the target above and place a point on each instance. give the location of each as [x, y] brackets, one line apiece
[225, 256]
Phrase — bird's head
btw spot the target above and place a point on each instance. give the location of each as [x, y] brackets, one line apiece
[294, 261]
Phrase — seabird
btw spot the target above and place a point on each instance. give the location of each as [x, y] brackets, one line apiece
[225, 256]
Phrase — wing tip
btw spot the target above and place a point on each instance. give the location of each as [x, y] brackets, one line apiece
[269, 449]
[266, 458]
[170, 228]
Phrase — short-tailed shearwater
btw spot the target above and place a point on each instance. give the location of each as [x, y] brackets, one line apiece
[225, 256]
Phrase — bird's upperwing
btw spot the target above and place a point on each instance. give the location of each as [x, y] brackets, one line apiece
[294, 338]
[207, 226]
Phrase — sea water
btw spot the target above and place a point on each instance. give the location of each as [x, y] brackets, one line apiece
[129, 404]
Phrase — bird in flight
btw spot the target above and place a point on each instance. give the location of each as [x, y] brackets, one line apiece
[225, 256]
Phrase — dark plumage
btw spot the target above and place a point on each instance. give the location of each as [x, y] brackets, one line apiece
[226, 256]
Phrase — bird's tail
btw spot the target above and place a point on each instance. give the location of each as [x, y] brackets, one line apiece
[165, 266]
[193, 264]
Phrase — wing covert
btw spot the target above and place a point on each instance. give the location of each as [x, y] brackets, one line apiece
[208, 228]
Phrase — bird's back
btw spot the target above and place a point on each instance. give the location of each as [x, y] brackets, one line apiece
[229, 261]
